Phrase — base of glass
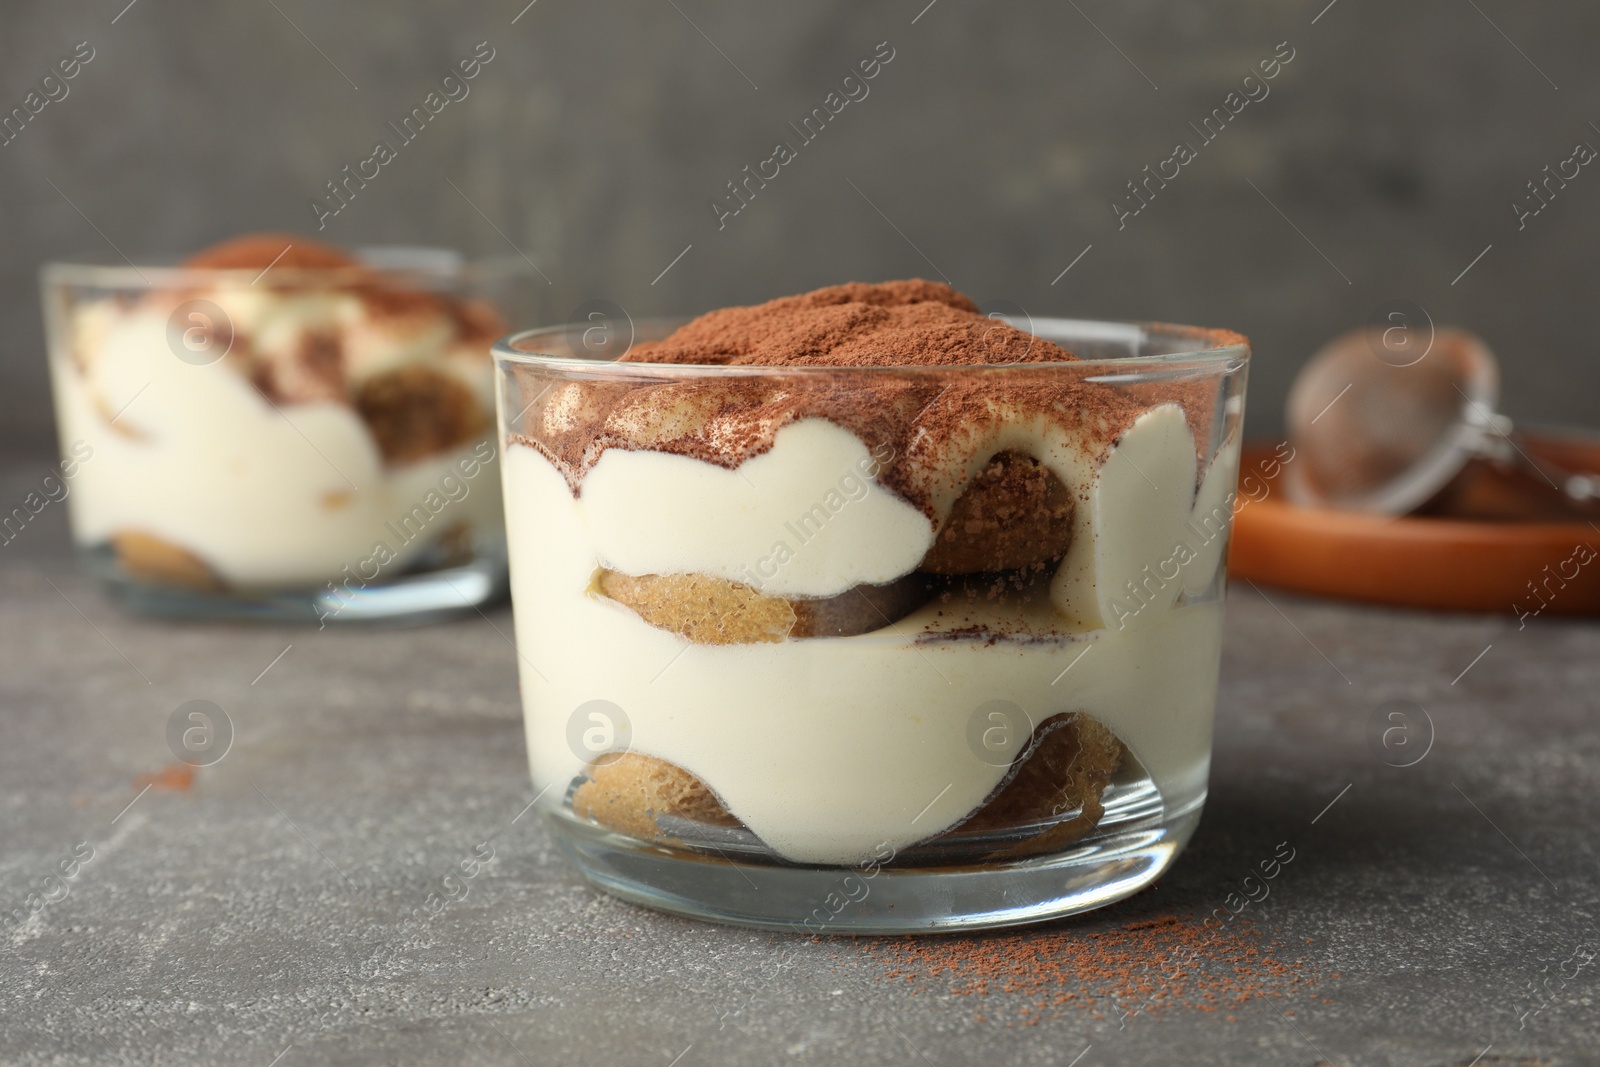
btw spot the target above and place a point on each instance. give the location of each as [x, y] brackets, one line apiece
[410, 599]
[890, 900]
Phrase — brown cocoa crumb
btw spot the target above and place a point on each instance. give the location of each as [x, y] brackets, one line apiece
[1149, 965]
[174, 777]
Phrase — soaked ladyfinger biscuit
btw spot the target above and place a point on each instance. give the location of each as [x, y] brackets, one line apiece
[631, 792]
[1066, 767]
[148, 556]
[416, 411]
[1015, 513]
[706, 610]
[717, 611]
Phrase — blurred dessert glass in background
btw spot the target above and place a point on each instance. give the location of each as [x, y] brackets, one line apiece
[278, 429]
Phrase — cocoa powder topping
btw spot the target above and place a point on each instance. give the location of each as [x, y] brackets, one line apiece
[936, 389]
[255, 251]
[413, 410]
[912, 323]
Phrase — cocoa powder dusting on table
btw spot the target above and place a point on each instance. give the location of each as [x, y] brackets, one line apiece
[1142, 967]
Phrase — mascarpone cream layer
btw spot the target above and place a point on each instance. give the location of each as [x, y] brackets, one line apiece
[807, 519]
[829, 747]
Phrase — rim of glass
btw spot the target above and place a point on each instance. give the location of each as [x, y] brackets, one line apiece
[1214, 346]
[416, 264]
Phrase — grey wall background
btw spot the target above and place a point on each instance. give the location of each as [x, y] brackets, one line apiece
[994, 143]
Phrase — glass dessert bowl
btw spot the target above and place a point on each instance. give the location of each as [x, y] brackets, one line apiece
[275, 429]
[860, 612]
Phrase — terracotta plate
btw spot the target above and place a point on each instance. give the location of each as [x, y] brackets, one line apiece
[1511, 567]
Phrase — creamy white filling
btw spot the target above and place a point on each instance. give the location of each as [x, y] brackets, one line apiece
[805, 518]
[266, 495]
[828, 748]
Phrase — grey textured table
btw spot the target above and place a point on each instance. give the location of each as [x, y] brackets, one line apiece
[275, 907]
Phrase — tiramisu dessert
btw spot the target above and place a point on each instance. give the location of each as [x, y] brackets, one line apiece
[866, 573]
[275, 413]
